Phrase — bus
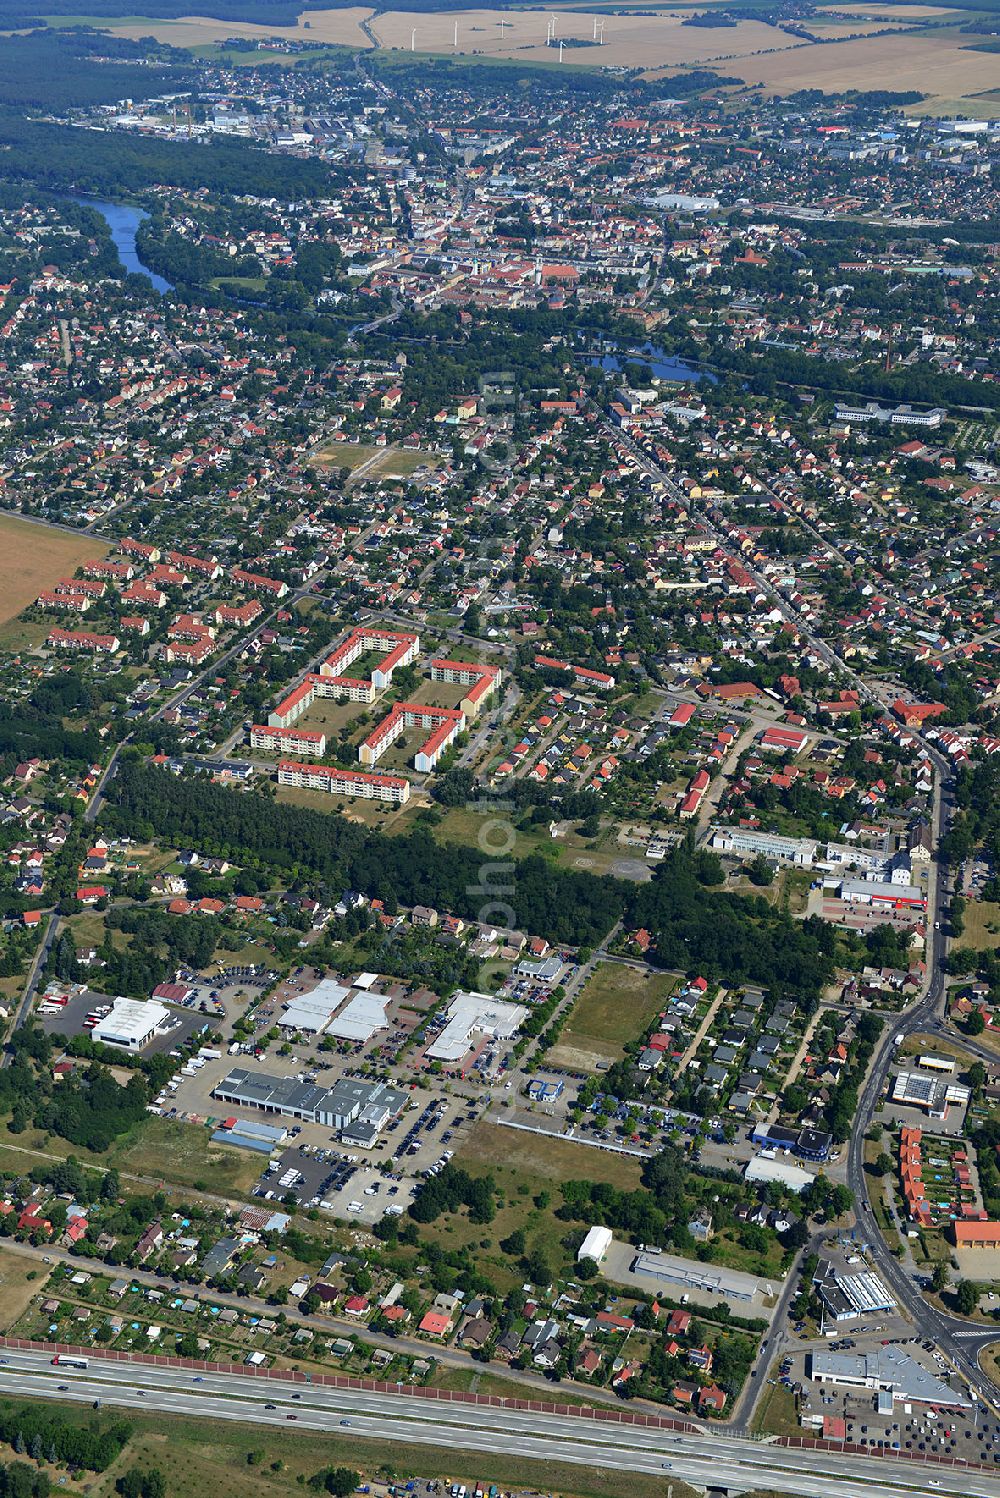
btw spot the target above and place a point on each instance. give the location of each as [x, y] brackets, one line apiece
[63, 1360]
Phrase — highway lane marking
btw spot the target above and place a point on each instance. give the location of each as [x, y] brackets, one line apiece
[498, 1443]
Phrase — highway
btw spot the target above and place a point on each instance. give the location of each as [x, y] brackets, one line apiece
[460, 1427]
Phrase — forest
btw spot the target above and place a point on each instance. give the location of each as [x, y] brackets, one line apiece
[722, 935]
[695, 928]
[564, 906]
[56, 70]
[30, 1426]
[60, 157]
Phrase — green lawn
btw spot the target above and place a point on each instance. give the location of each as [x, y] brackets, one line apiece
[982, 925]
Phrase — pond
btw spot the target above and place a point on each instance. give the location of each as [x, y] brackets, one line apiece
[123, 221]
[662, 364]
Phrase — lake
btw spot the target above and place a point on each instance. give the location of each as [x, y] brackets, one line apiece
[662, 364]
[123, 221]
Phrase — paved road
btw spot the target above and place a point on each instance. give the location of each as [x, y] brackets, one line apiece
[709, 1459]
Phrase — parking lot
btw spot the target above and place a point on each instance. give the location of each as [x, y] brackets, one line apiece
[972, 1434]
[70, 1020]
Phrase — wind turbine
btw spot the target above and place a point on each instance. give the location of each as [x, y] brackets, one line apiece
[413, 40]
[560, 50]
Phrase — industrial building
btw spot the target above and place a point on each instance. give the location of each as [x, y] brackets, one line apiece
[131, 1024]
[472, 1014]
[763, 1168]
[357, 1110]
[360, 1018]
[310, 1013]
[689, 1274]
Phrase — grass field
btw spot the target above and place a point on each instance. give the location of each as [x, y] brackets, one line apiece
[343, 455]
[20, 1279]
[616, 1006]
[386, 462]
[545, 1157]
[982, 917]
[525, 1168]
[183, 1154]
[176, 1154]
[32, 557]
[775, 1414]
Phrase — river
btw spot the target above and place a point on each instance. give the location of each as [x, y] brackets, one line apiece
[123, 221]
[662, 364]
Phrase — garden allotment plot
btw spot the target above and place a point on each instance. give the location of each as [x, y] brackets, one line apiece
[617, 1005]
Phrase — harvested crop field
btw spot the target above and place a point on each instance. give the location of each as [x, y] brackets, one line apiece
[658, 40]
[942, 66]
[335, 27]
[33, 557]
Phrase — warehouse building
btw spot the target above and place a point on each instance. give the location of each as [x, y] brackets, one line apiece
[310, 1013]
[764, 1169]
[131, 1024]
[595, 1245]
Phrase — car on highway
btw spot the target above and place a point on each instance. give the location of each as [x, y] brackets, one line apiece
[270, 1406]
[345, 1422]
[62, 1388]
[291, 1417]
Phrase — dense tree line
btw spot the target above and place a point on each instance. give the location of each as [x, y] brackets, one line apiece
[60, 157]
[56, 70]
[563, 905]
[21, 1481]
[724, 935]
[92, 1447]
[452, 1189]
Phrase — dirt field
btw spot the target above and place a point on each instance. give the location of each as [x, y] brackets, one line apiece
[20, 1279]
[337, 27]
[616, 1006]
[658, 40]
[32, 557]
[939, 66]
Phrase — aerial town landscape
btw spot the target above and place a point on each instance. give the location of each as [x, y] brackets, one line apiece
[500, 750]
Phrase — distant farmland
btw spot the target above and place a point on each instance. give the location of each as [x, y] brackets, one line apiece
[33, 557]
